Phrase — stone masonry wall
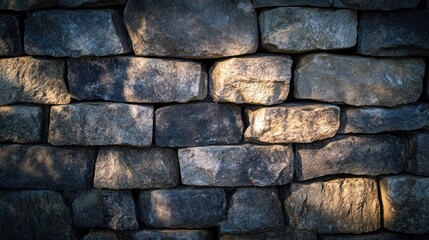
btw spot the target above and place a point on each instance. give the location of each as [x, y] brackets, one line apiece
[214, 119]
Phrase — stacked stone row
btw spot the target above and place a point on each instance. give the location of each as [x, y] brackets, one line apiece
[150, 124]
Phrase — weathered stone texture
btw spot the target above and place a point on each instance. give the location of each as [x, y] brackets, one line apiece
[89, 3]
[374, 236]
[45, 167]
[337, 206]
[34, 215]
[24, 5]
[220, 28]
[136, 168]
[386, 5]
[417, 160]
[108, 235]
[182, 207]
[101, 124]
[283, 233]
[27, 79]
[189, 125]
[405, 201]
[257, 79]
[297, 29]
[398, 33]
[134, 79]
[21, 124]
[251, 210]
[62, 33]
[359, 81]
[244, 165]
[104, 208]
[296, 122]
[172, 234]
[10, 37]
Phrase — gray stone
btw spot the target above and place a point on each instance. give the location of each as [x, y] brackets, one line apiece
[347, 205]
[136, 168]
[347, 154]
[75, 33]
[398, 33]
[34, 215]
[20, 123]
[136, 79]
[297, 29]
[108, 235]
[27, 79]
[189, 125]
[172, 234]
[25, 5]
[45, 167]
[290, 3]
[89, 3]
[257, 79]
[220, 28]
[284, 233]
[417, 160]
[182, 207]
[295, 122]
[375, 119]
[253, 209]
[244, 165]
[386, 5]
[405, 201]
[359, 81]
[101, 124]
[10, 37]
[104, 208]
[374, 236]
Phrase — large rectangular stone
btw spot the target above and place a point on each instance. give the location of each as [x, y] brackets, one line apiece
[10, 36]
[417, 160]
[133, 79]
[21, 124]
[101, 124]
[359, 81]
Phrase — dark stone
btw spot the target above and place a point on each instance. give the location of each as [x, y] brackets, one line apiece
[108, 235]
[20, 123]
[219, 28]
[62, 33]
[182, 207]
[172, 234]
[417, 160]
[283, 233]
[45, 167]
[290, 3]
[10, 37]
[89, 3]
[374, 236]
[386, 5]
[25, 5]
[189, 125]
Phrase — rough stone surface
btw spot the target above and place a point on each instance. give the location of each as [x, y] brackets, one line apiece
[375, 119]
[27, 79]
[189, 125]
[284, 233]
[182, 207]
[20, 123]
[244, 165]
[296, 122]
[136, 168]
[62, 33]
[258, 79]
[171, 234]
[24, 5]
[108, 235]
[136, 79]
[34, 215]
[10, 37]
[386, 5]
[295, 29]
[220, 28]
[89, 3]
[405, 203]
[375, 236]
[337, 206]
[359, 81]
[347, 154]
[101, 124]
[251, 210]
[417, 160]
[104, 208]
[45, 167]
[398, 33]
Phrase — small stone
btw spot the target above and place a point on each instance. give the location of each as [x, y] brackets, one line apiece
[220, 28]
[189, 125]
[359, 81]
[182, 207]
[10, 37]
[253, 209]
[89, 3]
[405, 201]
[136, 79]
[292, 123]
[101, 124]
[104, 208]
[283, 233]
[398, 33]
[347, 205]
[20, 5]
[347, 154]
[75, 33]
[417, 160]
[45, 167]
[172, 234]
[108, 235]
[244, 165]
[26, 79]
[136, 168]
[258, 79]
[21, 124]
[297, 29]
[34, 215]
[386, 5]
[374, 236]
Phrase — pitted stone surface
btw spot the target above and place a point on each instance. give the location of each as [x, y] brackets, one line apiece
[21, 124]
[10, 36]
[172, 234]
[417, 160]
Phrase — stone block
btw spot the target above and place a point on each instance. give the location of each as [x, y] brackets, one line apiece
[284, 233]
[108, 235]
[21, 124]
[417, 159]
[10, 36]
[172, 234]
[20, 5]
[385, 5]
[89, 3]
[374, 236]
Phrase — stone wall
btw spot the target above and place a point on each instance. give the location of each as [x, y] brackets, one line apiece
[215, 119]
